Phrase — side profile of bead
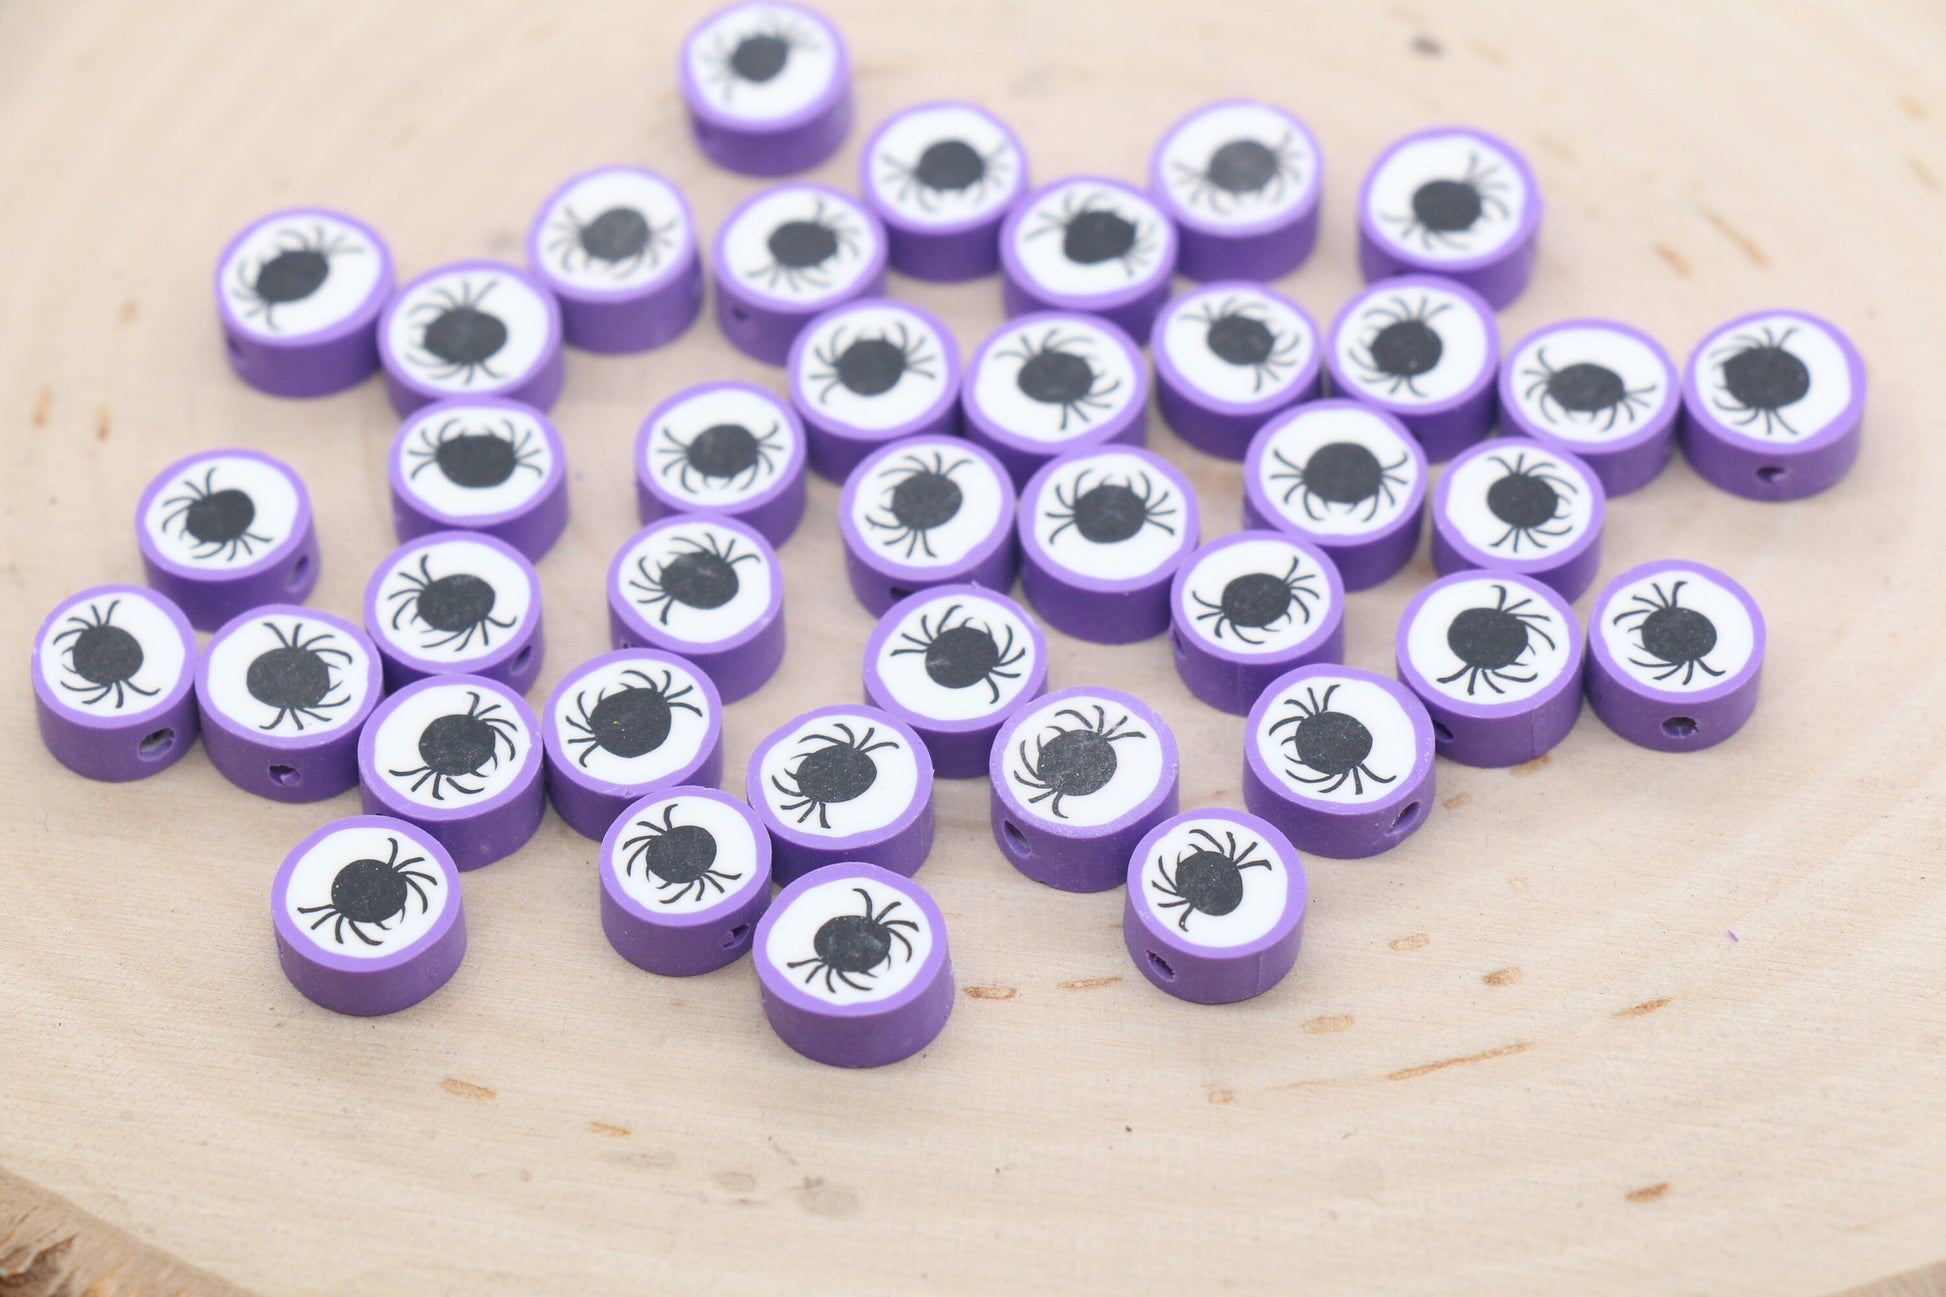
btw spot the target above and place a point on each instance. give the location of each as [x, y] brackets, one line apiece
[479, 464]
[1241, 179]
[925, 512]
[942, 176]
[225, 531]
[723, 448]
[1453, 201]
[1675, 653]
[617, 247]
[113, 670]
[472, 328]
[685, 876]
[767, 86]
[299, 293]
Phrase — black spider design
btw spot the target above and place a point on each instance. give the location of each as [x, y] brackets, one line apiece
[923, 498]
[1239, 171]
[1527, 499]
[372, 893]
[840, 769]
[1054, 372]
[297, 268]
[1342, 475]
[1110, 512]
[962, 655]
[1257, 601]
[1674, 638]
[461, 745]
[1237, 337]
[618, 240]
[855, 945]
[1074, 762]
[1584, 390]
[1403, 346]
[700, 575]
[950, 167]
[216, 522]
[872, 363]
[296, 678]
[105, 656]
[1333, 744]
[453, 608]
[630, 722]
[1208, 877]
[1093, 232]
[723, 453]
[1757, 377]
[457, 338]
[1489, 642]
[476, 458]
[756, 57]
[803, 249]
[682, 857]
[1445, 209]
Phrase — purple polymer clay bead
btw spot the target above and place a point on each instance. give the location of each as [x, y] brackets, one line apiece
[1249, 607]
[926, 512]
[283, 693]
[113, 668]
[1045, 384]
[685, 875]
[1340, 759]
[724, 448]
[869, 373]
[1215, 906]
[1345, 477]
[299, 294]
[368, 916]
[459, 756]
[1773, 405]
[941, 176]
[1496, 659]
[1079, 777]
[472, 328]
[768, 87]
[456, 603]
[1229, 356]
[843, 783]
[1088, 244]
[225, 531]
[954, 662]
[617, 248]
[1424, 350]
[1513, 506]
[1241, 179]
[1598, 389]
[624, 725]
[707, 589]
[479, 464]
[1675, 650]
[787, 254]
[1451, 201]
[852, 966]
[1101, 534]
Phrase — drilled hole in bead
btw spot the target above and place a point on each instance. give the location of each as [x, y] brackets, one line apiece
[1440, 732]
[299, 570]
[738, 315]
[285, 776]
[157, 745]
[1161, 967]
[900, 592]
[1175, 641]
[236, 348]
[1015, 838]
[734, 937]
[1679, 727]
[521, 659]
[1769, 473]
[1406, 818]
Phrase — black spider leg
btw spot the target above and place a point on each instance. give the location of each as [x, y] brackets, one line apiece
[96, 692]
[1740, 343]
[413, 879]
[315, 710]
[1166, 882]
[244, 542]
[809, 804]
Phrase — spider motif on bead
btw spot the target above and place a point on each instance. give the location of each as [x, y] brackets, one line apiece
[296, 678]
[1489, 642]
[460, 746]
[803, 250]
[1586, 391]
[1258, 601]
[1207, 878]
[105, 657]
[1110, 512]
[726, 455]
[871, 364]
[1241, 171]
[1674, 638]
[962, 655]
[1445, 209]
[1527, 498]
[838, 769]
[478, 458]
[700, 575]
[949, 169]
[1757, 378]
[371, 893]
[454, 608]
[1334, 745]
[632, 721]
[681, 857]
[923, 498]
[756, 57]
[1237, 337]
[217, 522]
[619, 240]
[296, 269]
[1342, 475]
[1403, 347]
[1077, 761]
[1093, 232]
[1053, 371]
[457, 338]
[855, 945]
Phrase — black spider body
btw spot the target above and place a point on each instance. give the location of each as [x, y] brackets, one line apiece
[1529, 498]
[1402, 346]
[296, 268]
[871, 364]
[1585, 391]
[1445, 209]
[1241, 171]
[458, 337]
[803, 250]
[1095, 233]
[923, 498]
[721, 454]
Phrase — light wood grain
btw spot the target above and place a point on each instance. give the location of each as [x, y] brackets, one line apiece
[1722, 1067]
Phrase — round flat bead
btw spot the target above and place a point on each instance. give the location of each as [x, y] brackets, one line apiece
[472, 328]
[459, 756]
[723, 448]
[685, 876]
[954, 662]
[624, 725]
[1249, 607]
[368, 916]
[1451, 201]
[617, 247]
[299, 294]
[225, 531]
[1054, 382]
[925, 512]
[767, 86]
[852, 966]
[1102, 533]
[1339, 759]
[1773, 405]
[786, 255]
[479, 464]
[870, 373]
[942, 175]
[706, 589]
[1344, 477]
[1229, 356]
[1424, 350]
[848, 782]
[1598, 389]
[113, 668]
[1675, 650]
[1215, 906]
[1088, 244]
[282, 693]
[1079, 778]
[1496, 659]
[456, 603]
[1241, 180]
[1510, 505]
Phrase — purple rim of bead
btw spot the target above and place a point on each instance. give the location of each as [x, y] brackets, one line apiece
[726, 906]
[170, 477]
[356, 321]
[555, 744]
[881, 696]
[168, 699]
[1696, 407]
[1541, 566]
[1165, 934]
[1525, 232]
[931, 418]
[214, 717]
[1516, 422]
[671, 273]
[1155, 799]
[1048, 299]
[787, 478]
[1342, 549]
[660, 639]
[864, 840]
[892, 219]
[1159, 187]
[556, 479]
[524, 779]
[997, 537]
[699, 106]
[1432, 694]
[869, 282]
[314, 953]
[1332, 623]
[525, 636]
[1032, 550]
[1303, 388]
[1730, 684]
[1409, 412]
[1409, 786]
[1130, 425]
[775, 982]
[549, 356]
